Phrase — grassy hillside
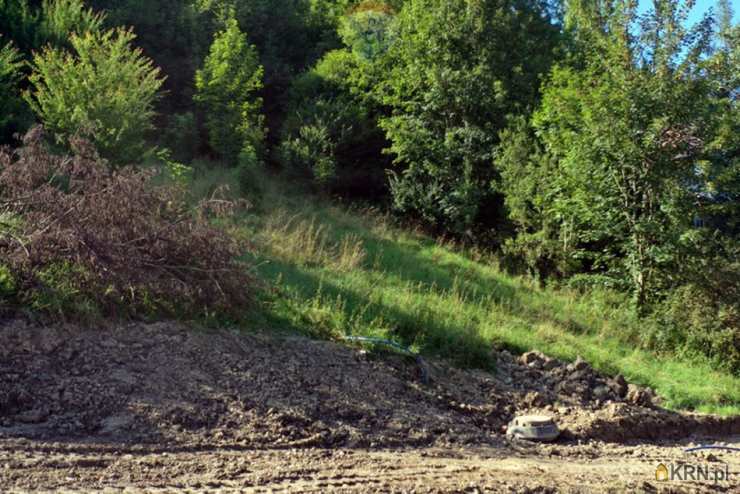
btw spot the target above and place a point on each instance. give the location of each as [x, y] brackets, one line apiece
[330, 271]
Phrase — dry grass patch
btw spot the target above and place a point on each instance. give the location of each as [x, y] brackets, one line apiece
[306, 242]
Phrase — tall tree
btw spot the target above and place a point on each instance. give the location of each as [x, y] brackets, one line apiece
[626, 124]
[227, 89]
[455, 72]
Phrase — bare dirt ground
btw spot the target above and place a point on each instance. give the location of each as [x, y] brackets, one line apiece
[163, 408]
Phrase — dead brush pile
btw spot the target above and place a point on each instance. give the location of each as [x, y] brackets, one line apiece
[80, 240]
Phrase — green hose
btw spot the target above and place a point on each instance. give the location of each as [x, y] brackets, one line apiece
[380, 341]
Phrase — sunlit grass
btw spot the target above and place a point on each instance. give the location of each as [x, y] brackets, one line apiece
[333, 272]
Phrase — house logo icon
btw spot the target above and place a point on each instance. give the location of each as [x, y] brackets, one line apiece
[661, 473]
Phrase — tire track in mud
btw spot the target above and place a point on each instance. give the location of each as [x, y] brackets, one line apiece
[540, 468]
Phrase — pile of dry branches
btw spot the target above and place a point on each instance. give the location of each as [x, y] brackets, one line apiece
[122, 244]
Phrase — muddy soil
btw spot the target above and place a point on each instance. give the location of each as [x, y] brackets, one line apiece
[165, 408]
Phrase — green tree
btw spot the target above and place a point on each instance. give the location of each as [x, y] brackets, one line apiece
[227, 89]
[104, 90]
[331, 133]
[722, 167]
[454, 73]
[625, 126]
[331, 130]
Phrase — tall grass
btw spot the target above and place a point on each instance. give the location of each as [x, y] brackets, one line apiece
[305, 241]
[334, 271]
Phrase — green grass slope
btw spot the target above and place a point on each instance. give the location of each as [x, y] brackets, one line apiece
[330, 271]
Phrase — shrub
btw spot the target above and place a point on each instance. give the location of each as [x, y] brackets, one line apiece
[95, 241]
[7, 283]
[331, 135]
[105, 91]
[226, 89]
[367, 29]
[700, 316]
[175, 171]
[248, 175]
[11, 105]
[19, 22]
[691, 321]
[33, 23]
[312, 151]
[60, 18]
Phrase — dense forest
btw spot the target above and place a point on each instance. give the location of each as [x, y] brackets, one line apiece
[585, 144]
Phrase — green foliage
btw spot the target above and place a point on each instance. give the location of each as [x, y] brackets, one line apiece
[700, 314]
[623, 130]
[176, 172]
[291, 34]
[19, 23]
[61, 293]
[248, 173]
[174, 33]
[312, 149]
[11, 105]
[105, 90]
[368, 29]
[7, 283]
[33, 24]
[331, 134]
[227, 88]
[701, 317]
[28, 26]
[627, 176]
[721, 168]
[61, 18]
[524, 167]
[455, 72]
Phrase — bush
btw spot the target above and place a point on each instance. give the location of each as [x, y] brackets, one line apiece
[7, 283]
[331, 135]
[104, 92]
[33, 23]
[249, 175]
[60, 18]
[367, 29]
[110, 243]
[694, 323]
[700, 316]
[11, 105]
[311, 151]
[19, 22]
[227, 88]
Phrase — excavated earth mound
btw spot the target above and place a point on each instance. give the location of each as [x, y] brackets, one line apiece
[168, 383]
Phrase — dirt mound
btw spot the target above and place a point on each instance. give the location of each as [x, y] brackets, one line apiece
[588, 405]
[164, 382]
